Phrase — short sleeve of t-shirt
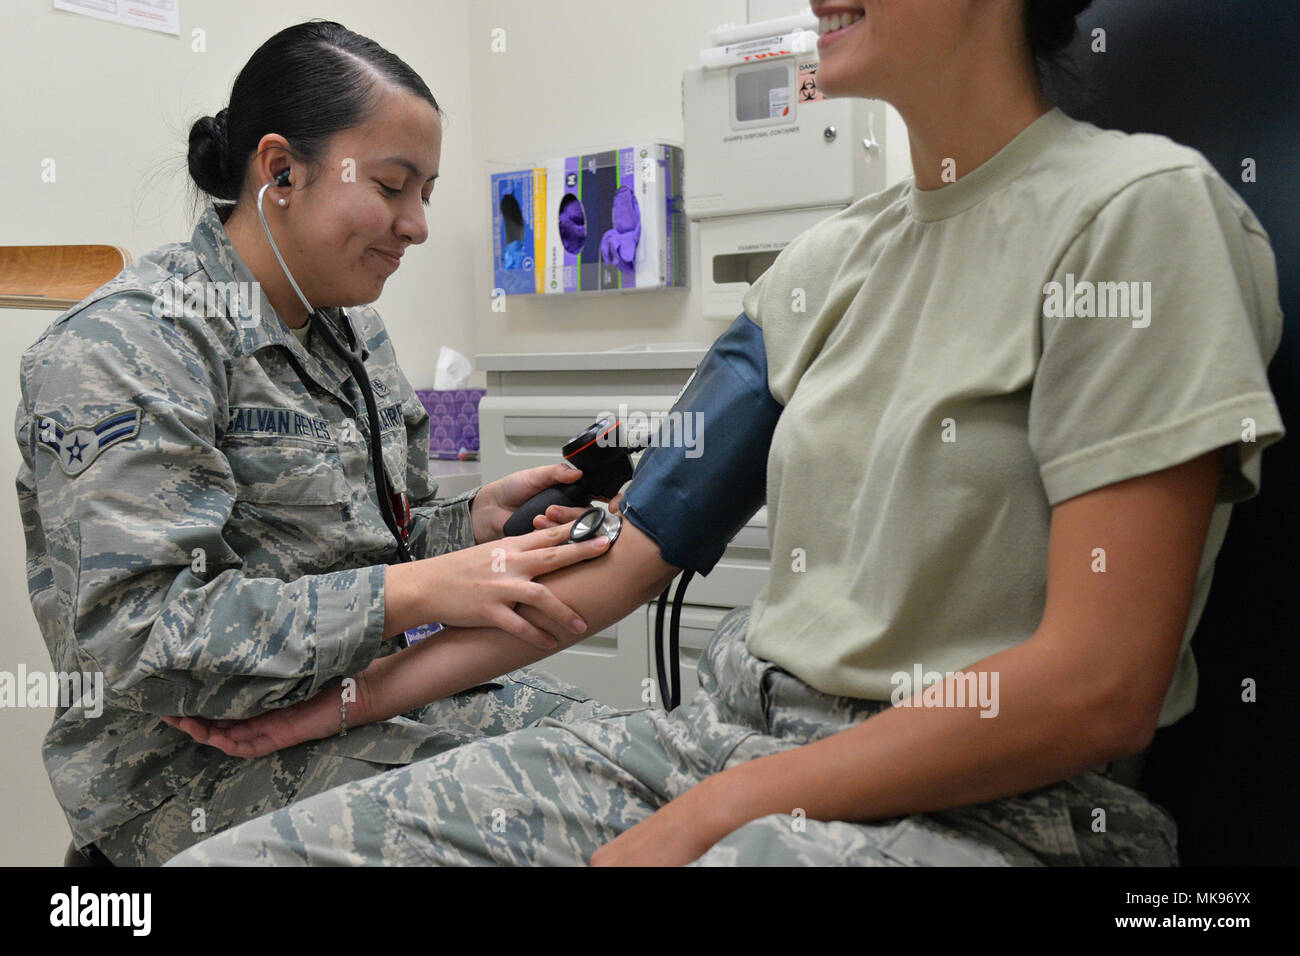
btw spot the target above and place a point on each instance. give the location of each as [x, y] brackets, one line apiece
[787, 301]
[1157, 327]
[754, 300]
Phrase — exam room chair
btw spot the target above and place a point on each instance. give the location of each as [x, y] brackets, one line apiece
[55, 277]
[1221, 77]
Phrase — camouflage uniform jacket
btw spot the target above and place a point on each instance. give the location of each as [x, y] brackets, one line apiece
[201, 518]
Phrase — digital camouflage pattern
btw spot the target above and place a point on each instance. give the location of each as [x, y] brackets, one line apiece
[555, 793]
[202, 523]
[231, 791]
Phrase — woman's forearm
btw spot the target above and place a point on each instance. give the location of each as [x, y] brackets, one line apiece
[1049, 725]
[405, 587]
[1087, 688]
[602, 591]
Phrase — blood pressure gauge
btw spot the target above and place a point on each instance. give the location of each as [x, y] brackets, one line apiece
[595, 522]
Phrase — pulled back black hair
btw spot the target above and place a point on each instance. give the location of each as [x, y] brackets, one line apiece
[306, 83]
[1050, 26]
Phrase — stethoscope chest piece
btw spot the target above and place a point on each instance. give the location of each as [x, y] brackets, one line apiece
[594, 522]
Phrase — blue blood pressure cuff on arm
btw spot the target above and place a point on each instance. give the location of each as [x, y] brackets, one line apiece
[692, 501]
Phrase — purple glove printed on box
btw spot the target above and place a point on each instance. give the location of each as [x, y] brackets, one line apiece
[618, 245]
[453, 422]
[573, 224]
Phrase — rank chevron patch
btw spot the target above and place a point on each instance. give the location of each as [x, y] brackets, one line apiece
[77, 448]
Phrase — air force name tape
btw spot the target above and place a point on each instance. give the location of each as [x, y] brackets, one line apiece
[256, 420]
[77, 448]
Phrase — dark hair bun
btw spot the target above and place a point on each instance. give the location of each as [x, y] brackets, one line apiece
[1050, 24]
[305, 84]
[208, 158]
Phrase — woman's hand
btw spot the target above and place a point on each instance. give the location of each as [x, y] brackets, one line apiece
[678, 833]
[480, 586]
[497, 501]
[310, 719]
[556, 515]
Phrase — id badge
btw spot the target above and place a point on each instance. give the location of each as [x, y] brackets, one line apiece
[402, 512]
[416, 634]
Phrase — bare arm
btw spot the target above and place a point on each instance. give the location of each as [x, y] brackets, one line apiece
[602, 590]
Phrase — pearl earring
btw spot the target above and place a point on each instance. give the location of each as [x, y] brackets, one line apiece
[284, 202]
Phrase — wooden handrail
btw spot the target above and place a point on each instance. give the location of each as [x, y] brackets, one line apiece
[55, 277]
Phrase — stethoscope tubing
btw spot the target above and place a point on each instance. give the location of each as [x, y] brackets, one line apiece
[353, 358]
[372, 414]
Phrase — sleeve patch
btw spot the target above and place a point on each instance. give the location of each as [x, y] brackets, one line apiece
[78, 447]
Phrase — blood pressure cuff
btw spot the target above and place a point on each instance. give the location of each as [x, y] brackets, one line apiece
[693, 501]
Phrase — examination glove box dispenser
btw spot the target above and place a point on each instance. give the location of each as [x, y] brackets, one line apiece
[601, 221]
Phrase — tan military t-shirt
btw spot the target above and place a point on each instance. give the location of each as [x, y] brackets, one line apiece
[1085, 307]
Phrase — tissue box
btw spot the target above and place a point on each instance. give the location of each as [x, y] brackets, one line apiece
[453, 422]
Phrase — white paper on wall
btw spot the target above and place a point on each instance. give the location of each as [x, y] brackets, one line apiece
[161, 15]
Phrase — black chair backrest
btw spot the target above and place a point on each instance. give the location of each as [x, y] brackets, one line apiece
[1221, 76]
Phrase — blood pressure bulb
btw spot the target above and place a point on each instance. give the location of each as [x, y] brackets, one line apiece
[604, 455]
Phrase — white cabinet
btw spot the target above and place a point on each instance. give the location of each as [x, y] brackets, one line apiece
[697, 626]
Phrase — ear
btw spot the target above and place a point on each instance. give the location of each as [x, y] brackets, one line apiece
[272, 163]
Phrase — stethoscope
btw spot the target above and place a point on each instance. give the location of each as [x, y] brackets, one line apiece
[388, 498]
[593, 523]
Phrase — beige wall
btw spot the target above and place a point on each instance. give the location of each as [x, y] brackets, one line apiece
[592, 73]
[112, 106]
[557, 89]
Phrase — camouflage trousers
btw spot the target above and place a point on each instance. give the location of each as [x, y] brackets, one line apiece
[233, 790]
[554, 793]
